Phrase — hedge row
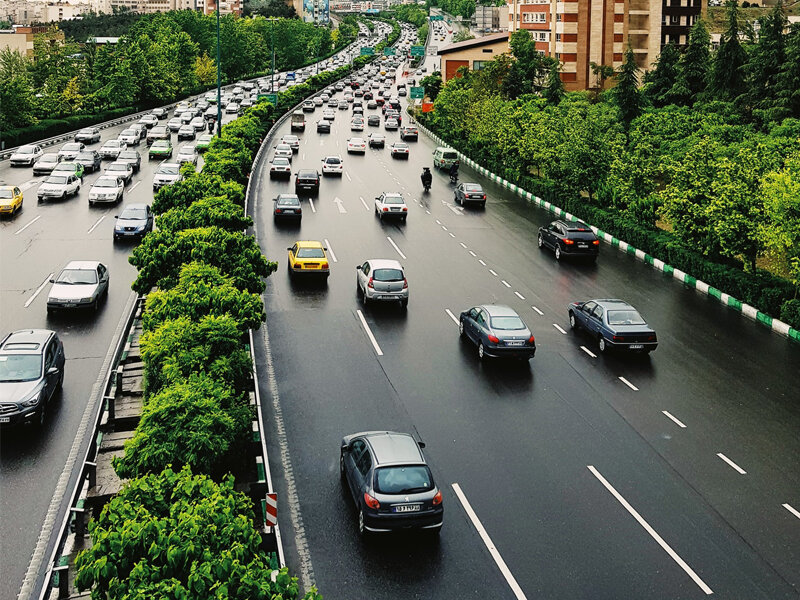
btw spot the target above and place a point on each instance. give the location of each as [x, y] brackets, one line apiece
[173, 531]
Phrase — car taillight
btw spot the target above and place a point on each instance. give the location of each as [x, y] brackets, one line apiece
[371, 502]
[618, 338]
[277, 211]
[531, 340]
[484, 196]
[405, 209]
[651, 338]
[493, 339]
[405, 283]
[437, 499]
[385, 209]
[324, 265]
[596, 242]
[370, 284]
[569, 242]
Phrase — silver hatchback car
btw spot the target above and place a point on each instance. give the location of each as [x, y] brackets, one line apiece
[382, 280]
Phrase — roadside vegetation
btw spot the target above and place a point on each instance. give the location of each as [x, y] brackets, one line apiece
[161, 58]
[180, 528]
[700, 166]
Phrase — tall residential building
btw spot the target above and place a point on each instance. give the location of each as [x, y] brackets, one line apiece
[20, 38]
[315, 11]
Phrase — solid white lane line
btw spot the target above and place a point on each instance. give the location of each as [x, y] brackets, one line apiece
[364, 203]
[133, 187]
[304, 155]
[589, 352]
[330, 249]
[311, 202]
[346, 174]
[628, 383]
[537, 310]
[39, 289]
[378, 350]
[391, 241]
[520, 296]
[501, 564]
[480, 261]
[452, 235]
[791, 510]
[452, 316]
[732, 464]
[96, 223]
[472, 253]
[24, 227]
[493, 273]
[677, 422]
[674, 555]
[561, 329]
[505, 283]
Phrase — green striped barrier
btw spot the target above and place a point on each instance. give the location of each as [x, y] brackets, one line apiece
[749, 311]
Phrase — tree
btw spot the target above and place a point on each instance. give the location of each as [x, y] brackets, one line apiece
[781, 196]
[205, 70]
[787, 82]
[214, 211]
[726, 78]
[601, 74]
[463, 36]
[626, 94]
[16, 92]
[432, 84]
[693, 67]
[179, 535]
[194, 187]
[161, 255]
[766, 60]
[554, 90]
[660, 80]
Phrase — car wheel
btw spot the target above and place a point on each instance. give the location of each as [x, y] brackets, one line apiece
[404, 304]
[573, 323]
[481, 351]
[601, 344]
[341, 465]
[540, 241]
[461, 331]
[558, 252]
[95, 304]
[362, 529]
[41, 416]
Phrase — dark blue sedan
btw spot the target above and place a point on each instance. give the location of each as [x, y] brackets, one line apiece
[498, 331]
[615, 324]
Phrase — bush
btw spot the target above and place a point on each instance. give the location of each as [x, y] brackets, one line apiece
[180, 347]
[47, 128]
[179, 535]
[790, 313]
[194, 187]
[215, 211]
[197, 422]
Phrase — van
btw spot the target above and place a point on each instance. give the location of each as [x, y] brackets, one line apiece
[298, 121]
[444, 158]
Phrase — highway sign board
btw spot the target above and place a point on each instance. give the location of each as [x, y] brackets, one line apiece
[417, 50]
[433, 50]
[437, 18]
[388, 51]
[367, 51]
[417, 93]
[271, 98]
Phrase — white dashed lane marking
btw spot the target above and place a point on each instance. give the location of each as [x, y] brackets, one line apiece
[629, 384]
[732, 464]
[672, 418]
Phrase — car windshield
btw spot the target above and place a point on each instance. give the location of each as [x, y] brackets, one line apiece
[472, 187]
[27, 149]
[628, 316]
[283, 162]
[134, 214]
[332, 161]
[48, 158]
[112, 143]
[507, 323]
[161, 144]
[77, 276]
[393, 200]
[128, 132]
[187, 150]
[20, 367]
[106, 182]
[6, 194]
[310, 253]
[56, 179]
[288, 201]
[403, 480]
[388, 275]
[169, 169]
[71, 147]
[118, 167]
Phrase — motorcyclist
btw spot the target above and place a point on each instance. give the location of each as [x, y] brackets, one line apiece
[427, 178]
[454, 172]
[211, 124]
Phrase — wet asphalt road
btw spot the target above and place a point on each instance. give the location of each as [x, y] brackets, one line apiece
[536, 449]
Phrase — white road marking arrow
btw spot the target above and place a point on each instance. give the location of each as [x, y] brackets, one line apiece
[340, 205]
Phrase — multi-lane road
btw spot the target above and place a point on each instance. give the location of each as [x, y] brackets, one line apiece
[578, 475]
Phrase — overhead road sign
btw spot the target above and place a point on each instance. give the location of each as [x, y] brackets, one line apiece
[367, 51]
[389, 51]
[417, 50]
[417, 93]
[433, 50]
[271, 98]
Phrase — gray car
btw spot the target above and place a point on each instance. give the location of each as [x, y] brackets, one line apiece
[46, 163]
[90, 159]
[167, 174]
[106, 189]
[390, 482]
[121, 169]
[382, 280]
[497, 331]
[31, 371]
[132, 157]
[81, 284]
[88, 135]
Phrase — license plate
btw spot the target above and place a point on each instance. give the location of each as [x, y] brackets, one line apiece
[387, 297]
[520, 343]
[5, 419]
[583, 246]
[407, 508]
[69, 305]
[636, 346]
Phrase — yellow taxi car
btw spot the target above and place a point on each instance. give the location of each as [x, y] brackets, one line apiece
[308, 258]
[10, 199]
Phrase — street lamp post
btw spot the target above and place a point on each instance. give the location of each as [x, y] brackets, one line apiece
[272, 43]
[219, 81]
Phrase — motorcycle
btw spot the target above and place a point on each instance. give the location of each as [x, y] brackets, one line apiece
[426, 182]
[454, 178]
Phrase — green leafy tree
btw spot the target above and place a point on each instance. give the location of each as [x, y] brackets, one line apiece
[781, 195]
[161, 255]
[463, 36]
[693, 67]
[660, 80]
[726, 78]
[601, 74]
[198, 422]
[205, 70]
[194, 187]
[203, 290]
[626, 94]
[432, 84]
[16, 91]
[214, 211]
[787, 83]
[530, 70]
[766, 60]
[554, 90]
[179, 535]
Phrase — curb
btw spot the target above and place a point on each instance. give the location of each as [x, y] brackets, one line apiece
[751, 312]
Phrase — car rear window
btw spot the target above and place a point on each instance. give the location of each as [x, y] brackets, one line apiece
[310, 253]
[388, 275]
[20, 367]
[403, 480]
[307, 175]
[472, 187]
[392, 200]
[625, 317]
[507, 323]
[289, 201]
[449, 155]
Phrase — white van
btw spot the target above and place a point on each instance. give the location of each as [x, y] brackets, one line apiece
[443, 158]
[298, 121]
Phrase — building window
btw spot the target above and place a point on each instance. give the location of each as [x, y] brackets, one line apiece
[558, 17]
[558, 37]
[674, 20]
[477, 65]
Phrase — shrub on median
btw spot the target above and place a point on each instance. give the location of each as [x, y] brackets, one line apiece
[214, 211]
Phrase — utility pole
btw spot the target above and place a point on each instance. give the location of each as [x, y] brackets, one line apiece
[219, 81]
[272, 43]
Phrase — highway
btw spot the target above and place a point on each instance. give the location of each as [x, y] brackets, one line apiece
[578, 475]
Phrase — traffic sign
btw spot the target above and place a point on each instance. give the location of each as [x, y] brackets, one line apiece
[417, 93]
[433, 50]
[437, 18]
[417, 50]
[271, 98]
[367, 51]
[388, 51]
[271, 510]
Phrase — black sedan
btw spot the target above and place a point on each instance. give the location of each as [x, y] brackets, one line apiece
[569, 238]
[307, 180]
[470, 192]
[498, 331]
[287, 206]
[614, 324]
[323, 126]
[90, 159]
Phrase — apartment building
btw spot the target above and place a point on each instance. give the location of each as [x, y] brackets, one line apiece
[20, 38]
[490, 18]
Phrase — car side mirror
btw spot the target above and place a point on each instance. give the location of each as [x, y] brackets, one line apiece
[52, 280]
[421, 444]
[53, 371]
[116, 216]
[289, 249]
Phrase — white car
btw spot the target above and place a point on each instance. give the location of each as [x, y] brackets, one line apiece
[232, 108]
[26, 155]
[318, 101]
[328, 114]
[357, 124]
[199, 123]
[58, 186]
[122, 169]
[130, 137]
[187, 154]
[186, 117]
[399, 150]
[391, 204]
[382, 280]
[284, 150]
[106, 188]
[166, 174]
[81, 284]
[356, 144]
[112, 148]
[71, 150]
[186, 132]
[149, 120]
[174, 124]
[280, 167]
[292, 141]
[332, 165]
